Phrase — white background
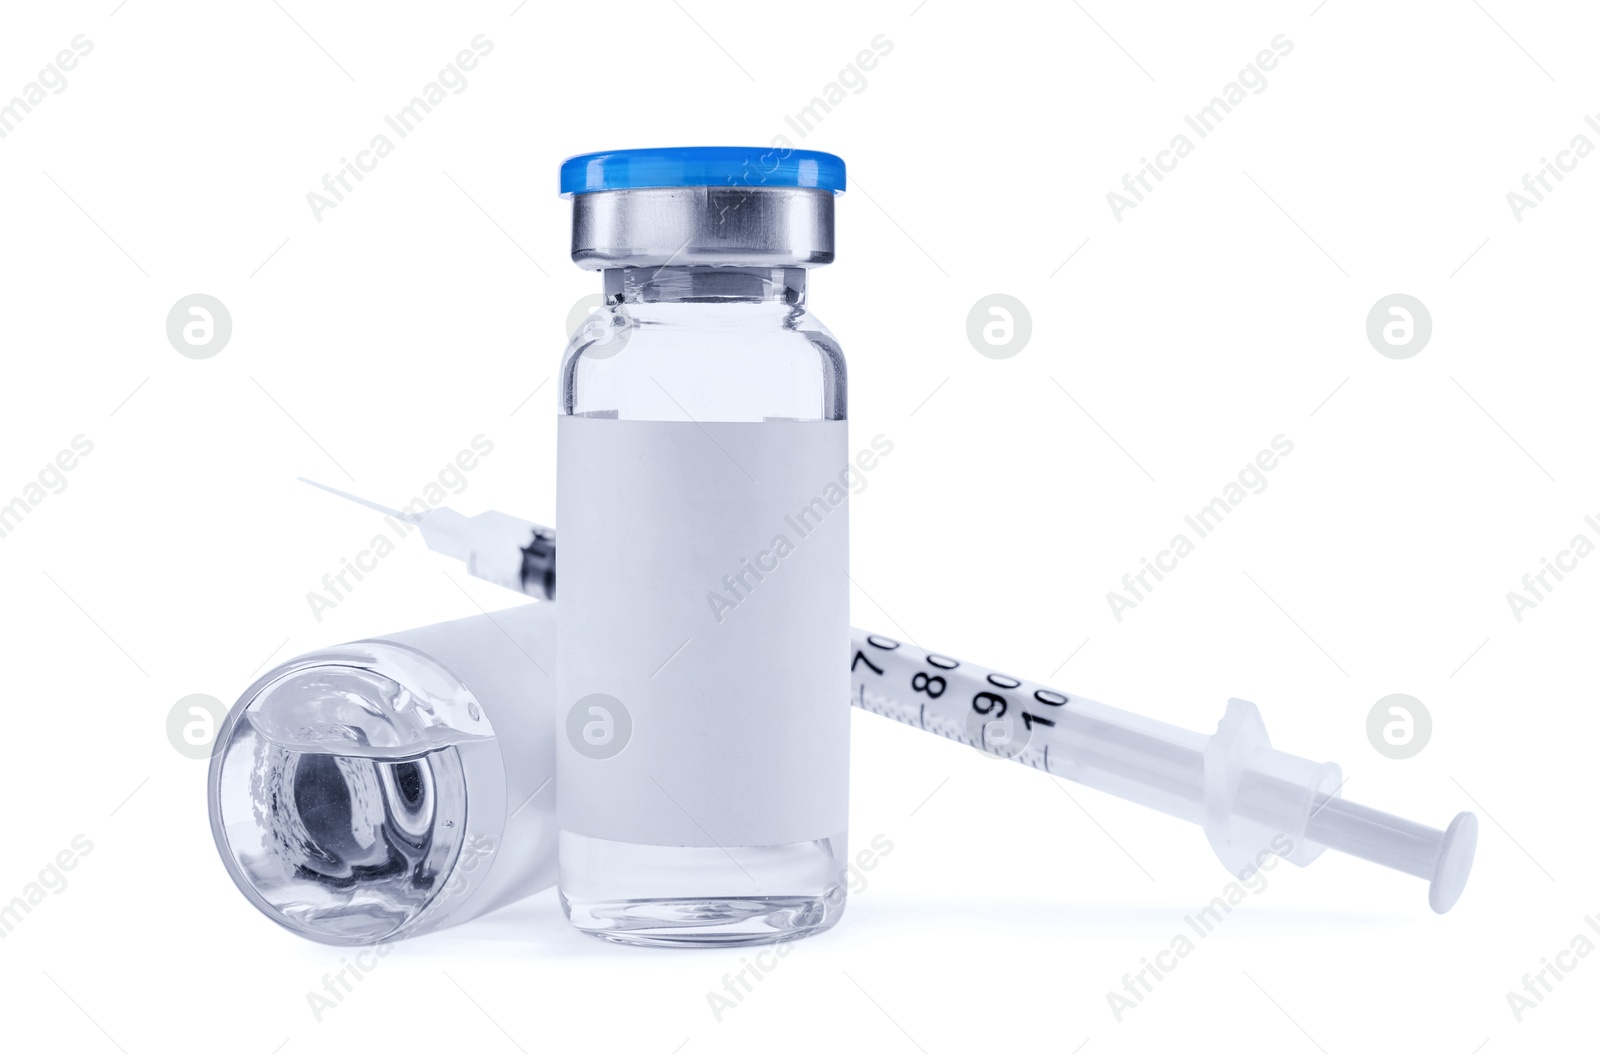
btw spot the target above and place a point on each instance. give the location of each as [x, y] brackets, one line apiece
[1229, 307]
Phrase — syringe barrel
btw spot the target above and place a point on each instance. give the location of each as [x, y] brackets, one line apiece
[1163, 767]
[1130, 756]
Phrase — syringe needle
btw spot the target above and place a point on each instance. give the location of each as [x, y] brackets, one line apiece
[494, 546]
[409, 517]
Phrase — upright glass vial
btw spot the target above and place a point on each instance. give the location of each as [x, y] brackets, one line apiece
[703, 637]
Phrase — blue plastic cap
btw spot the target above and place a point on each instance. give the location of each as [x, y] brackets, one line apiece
[701, 167]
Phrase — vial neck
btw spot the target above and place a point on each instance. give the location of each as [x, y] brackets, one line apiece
[685, 285]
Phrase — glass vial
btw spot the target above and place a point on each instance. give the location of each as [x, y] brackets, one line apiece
[703, 635]
[386, 788]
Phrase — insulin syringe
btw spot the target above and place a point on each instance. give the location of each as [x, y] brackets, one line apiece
[1251, 799]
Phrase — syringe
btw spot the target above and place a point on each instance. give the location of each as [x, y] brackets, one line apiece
[1251, 799]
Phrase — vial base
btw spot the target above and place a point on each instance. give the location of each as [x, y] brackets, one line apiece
[637, 894]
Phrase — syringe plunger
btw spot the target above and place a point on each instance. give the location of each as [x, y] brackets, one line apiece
[1251, 799]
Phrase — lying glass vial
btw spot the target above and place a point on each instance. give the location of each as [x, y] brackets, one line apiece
[386, 788]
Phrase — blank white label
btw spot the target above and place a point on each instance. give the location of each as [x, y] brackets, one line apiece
[703, 585]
